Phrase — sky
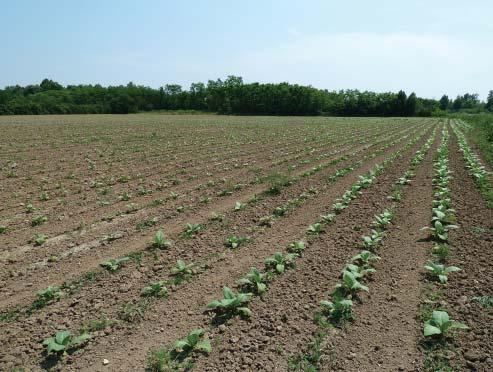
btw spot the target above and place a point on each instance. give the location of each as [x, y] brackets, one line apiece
[431, 47]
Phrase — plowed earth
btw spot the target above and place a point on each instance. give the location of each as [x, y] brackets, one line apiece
[75, 171]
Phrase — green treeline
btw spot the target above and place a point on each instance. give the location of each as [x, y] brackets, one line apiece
[230, 96]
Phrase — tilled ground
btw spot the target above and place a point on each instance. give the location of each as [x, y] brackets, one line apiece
[282, 320]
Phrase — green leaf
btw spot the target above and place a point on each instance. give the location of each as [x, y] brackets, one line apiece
[80, 339]
[180, 344]
[280, 268]
[62, 337]
[54, 346]
[443, 278]
[440, 317]
[430, 330]
[228, 293]
[458, 325]
[205, 346]
[245, 311]
[452, 269]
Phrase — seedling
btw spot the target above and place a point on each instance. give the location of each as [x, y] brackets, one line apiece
[326, 219]
[236, 241]
[217, 217]
[338, 207]
[267, 220]
[157, 289]
[338, 310]
[160, 241]
[40, 239]
[192, 229]
[440, 325]
[182, 271]
[239, 206]
[440, 231]
[383, 219]
[232, 304]
[315, 229]
[64, 342]
[254, 282]
[30, 208]
[3, 229]
[370, 242]
[280, 211]
[440, 271]
[441, 251]
[50, 293]
[358, 271]
[279, 262]
[349, 286]
[297, 247]
[115, 264]
[192, 343]
[364, 258]
[38, 220]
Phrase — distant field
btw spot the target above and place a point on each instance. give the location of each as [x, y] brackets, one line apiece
[84, 200]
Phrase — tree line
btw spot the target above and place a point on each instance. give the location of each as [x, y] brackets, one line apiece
[229, 96]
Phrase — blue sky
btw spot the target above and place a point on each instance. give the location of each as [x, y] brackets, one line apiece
[430, 47]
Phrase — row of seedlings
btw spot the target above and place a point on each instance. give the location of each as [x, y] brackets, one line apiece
[338, 310]
[438, 327]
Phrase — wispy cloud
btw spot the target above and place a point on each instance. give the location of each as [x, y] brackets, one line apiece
[429, 64]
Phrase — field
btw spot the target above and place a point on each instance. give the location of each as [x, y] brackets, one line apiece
[125, 229]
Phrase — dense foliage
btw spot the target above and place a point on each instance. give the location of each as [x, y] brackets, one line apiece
[231, 96]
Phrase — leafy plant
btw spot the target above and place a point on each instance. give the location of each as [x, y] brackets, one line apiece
[192, 229]
[3, 229]
[364, 258]
[296, 247]
[182, 271]
[349, 286]
[160, 241]
[327, 218]
[358, 271]
[38, 220]
[383, 219]
[280, 211]
[279, 262]
[239, 206]
[193, 342]
[338, 310]
[370, 242]
[254, 281]
[115, 264]
[441, 325]
[315, 228]
[440, 231]
[217, 217]
[156, 289]
[441, 251]
[64, 341]
[40, 239]
[440, 271]
[236, 241]
[338, 207]
[231, 304]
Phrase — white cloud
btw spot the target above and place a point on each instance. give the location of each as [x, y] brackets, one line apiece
[429, 64]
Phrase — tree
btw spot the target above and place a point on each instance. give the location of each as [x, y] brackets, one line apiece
[47, 84]
[444, 102]
[489, 101]
[411, 103]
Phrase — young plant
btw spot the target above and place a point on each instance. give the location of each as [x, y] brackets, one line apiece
[440, 271]
[157, 289]
[440, 231]
[440, 325]
[350, 285]
[239, 206]
[315, 229]
[279, 262]
[370, 242]
[193, 342]
[3, 229]
[441, 251]
[358, 271]
[326, 219]
[338, 310]
[192, 229]
[115, 264]
[254, 282]
[280, 211]
[64, 342]
[383, 219]
[182, 271]
[232, 304]
[38, 220]
[219, 217]
[39, 239]
[296, 247]
[364, 258]
[338, 207]
[160, 241]
[236, 241]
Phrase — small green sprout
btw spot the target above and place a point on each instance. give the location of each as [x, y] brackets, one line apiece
[441, 325]
[441, 271]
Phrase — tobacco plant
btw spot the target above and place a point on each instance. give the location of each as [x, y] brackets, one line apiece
[232, 304]
[440, 325]
[63, 341]
[254, 282]
[441, 271]
[279, 262]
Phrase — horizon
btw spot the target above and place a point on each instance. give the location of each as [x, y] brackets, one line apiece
[436, 49]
